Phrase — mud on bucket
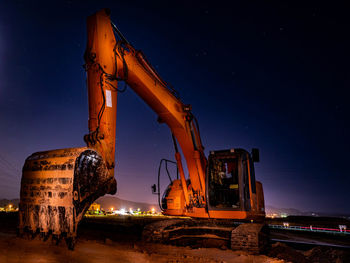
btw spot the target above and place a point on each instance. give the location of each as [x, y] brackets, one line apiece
[57, 188]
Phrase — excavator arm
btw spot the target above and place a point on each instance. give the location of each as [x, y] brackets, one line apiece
[107, 62]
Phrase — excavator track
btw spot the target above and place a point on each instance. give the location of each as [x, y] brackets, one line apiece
[57, 188]
[250, 237]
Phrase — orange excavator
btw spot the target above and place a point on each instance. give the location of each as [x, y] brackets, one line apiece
[58, 186]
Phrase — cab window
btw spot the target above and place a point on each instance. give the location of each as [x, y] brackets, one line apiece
[224, 183]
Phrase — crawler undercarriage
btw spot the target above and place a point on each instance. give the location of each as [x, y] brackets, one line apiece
[251, 237]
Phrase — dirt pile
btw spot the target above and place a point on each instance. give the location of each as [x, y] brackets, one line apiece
[314, 255]
[282, 251]
[326, 255]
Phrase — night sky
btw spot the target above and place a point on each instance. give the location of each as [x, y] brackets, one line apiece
[272, 75]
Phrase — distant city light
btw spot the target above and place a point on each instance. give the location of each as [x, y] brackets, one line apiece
[95, 209]
[284, 215]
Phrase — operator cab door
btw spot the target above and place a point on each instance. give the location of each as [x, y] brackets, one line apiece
[228, 181]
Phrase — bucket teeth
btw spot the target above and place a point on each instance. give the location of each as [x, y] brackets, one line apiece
[57, 188]
[57, 219]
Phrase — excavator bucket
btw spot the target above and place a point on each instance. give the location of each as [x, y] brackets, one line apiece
[57, 188]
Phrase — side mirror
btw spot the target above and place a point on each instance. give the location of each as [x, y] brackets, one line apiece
[154, 189]
[255, 155]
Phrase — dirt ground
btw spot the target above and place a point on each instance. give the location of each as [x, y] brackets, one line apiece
[120, 241]
[14, 249]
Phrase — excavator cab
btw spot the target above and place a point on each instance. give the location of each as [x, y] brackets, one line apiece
[231, 191]
[230, 180]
